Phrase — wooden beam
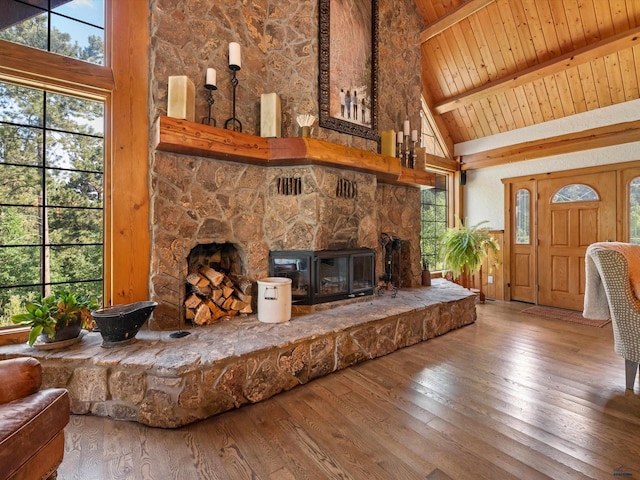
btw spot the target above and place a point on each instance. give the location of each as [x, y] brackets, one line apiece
[453, 17]
[417, 178]
[54, 72]
[439, 163]
[572, 142]
[609, 45]
[189, 138]
[303, 151]
[128, 246]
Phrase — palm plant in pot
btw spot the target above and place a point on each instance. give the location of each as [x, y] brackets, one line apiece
[462, 249]
[57, 317]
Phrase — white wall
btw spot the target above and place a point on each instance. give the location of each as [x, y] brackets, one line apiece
[484, 192]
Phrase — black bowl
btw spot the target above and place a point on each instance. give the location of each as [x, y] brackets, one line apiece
[119, 324]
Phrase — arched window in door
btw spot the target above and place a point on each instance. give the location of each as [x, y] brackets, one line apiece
[523, 215]
[575, 192]
[634, 211]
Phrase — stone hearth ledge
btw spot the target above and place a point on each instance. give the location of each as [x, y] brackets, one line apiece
[165, 382]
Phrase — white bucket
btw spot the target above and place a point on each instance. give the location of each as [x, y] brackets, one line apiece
[274, 300]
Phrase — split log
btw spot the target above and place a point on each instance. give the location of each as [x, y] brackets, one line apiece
[216, 294]
[203, 315]
[203, 291]
[193, 301]
[227, 291]
[215, 277]
[227, 304]
[243, 284]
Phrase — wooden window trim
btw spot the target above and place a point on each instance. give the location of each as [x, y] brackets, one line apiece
[123, 86]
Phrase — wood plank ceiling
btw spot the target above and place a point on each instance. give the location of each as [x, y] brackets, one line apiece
[491, 66]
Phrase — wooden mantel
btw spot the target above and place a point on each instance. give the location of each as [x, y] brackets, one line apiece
[189, 138]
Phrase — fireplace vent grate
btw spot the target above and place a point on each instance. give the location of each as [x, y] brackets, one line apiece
[289, 185]
[346, 189]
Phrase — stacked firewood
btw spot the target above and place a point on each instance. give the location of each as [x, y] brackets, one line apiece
[215, 296]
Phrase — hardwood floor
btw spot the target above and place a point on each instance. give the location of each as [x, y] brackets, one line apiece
[513, 396]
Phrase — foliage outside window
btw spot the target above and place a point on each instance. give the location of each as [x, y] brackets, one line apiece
[51, 162]
[634, 211]
[434, 214]
[523, 215]
[575, 192]
[73, 28]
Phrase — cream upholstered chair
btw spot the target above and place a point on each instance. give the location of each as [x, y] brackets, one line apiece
[610, 289]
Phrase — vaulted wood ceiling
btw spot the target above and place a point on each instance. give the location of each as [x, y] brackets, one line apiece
[491, 66]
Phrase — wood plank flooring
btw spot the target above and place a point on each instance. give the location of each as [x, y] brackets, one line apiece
[513, 396]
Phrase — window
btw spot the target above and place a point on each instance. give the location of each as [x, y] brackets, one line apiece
[523, 210]
[51, 156]
[575, 192]
[73, 28]
[429, 140]
[51, 195]
[434, 212]
[634, 211]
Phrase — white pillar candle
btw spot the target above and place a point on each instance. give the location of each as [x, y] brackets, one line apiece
[211, 77]
[270, 116]
[407, 127]
[234, 54]
[181, 101]
[399, 137]
[414, 135]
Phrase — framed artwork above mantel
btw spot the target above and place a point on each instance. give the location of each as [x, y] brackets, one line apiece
[348, 45]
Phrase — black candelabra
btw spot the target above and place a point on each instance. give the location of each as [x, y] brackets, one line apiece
[209, 120]
[233, 123]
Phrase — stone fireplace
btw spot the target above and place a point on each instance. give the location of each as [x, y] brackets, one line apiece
[199, 201]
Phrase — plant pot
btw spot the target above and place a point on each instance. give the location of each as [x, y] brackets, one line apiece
[65, 333]
[118, 325]
[426, 278]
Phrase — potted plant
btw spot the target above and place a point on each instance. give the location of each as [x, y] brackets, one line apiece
[57, 317]
[462, 248]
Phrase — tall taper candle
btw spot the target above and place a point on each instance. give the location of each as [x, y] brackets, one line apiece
[234, 55]
[211, 77]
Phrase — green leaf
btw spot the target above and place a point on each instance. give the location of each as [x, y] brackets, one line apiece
[34, 334]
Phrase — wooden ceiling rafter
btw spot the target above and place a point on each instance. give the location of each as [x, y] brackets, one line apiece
[607, 46]
[452, 18]
[562, 144]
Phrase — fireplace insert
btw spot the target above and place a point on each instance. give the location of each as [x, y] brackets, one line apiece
[326, 275]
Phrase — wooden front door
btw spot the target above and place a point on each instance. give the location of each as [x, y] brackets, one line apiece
[573, 213]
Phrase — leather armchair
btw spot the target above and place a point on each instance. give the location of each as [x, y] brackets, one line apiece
[613, 289]
[32, 422]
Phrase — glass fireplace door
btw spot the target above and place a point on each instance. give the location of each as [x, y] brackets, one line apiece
[333, 276]
[362, 272]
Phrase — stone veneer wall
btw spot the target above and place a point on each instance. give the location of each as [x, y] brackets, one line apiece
[397, 214]
[279, 41]
[195, 200]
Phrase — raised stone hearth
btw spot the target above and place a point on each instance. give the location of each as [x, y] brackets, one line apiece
[165, 382]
